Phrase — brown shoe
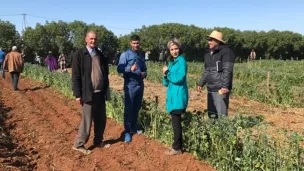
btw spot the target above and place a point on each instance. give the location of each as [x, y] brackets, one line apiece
[82, 150]
[173, 152]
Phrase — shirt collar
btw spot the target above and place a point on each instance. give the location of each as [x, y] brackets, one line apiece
[89, 49]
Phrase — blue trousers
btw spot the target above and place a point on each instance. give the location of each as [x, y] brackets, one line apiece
[133, 100]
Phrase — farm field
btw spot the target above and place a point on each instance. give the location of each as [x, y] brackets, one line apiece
[43, 124]
[293, 117]
[283, 102]
[261, 133]
[285, 80]
[264, 128]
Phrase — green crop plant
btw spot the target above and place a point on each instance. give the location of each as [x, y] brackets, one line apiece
[277, 83]
[229, 143]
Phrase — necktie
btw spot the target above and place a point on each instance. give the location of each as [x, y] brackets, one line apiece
[93, 53]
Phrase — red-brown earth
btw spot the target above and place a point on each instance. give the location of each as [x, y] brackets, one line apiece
[43, 124]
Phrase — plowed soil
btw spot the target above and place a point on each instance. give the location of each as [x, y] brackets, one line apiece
[42, 125]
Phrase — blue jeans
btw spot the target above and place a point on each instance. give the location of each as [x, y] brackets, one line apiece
[15, 79]
[217, 104]
[133, 100]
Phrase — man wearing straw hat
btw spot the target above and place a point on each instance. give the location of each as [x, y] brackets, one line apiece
[219, 62]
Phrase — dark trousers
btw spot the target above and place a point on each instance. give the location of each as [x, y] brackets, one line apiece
[217, 104]
[96, 111]
[15, 79]
[176, 117]
[133, 100]
[2, 70]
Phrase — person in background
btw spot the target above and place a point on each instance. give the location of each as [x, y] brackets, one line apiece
[51, 62]
[14, 64]
[37, 59]
[175, 79]
[2, 57]
[218, 74]
[252, 55]
[22, 54]
[62, 62]
[147, 54]
[116, 59]
[132, 65]
[161, 55]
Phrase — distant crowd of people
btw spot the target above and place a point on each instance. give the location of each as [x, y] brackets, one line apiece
[52, 63]
[13, 62]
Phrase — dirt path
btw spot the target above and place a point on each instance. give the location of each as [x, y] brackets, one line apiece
[45, 124]
[289, 118]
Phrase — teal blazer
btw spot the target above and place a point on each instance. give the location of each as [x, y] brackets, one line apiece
[176, 81]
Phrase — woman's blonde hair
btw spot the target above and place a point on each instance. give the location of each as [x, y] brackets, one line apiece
[173, 42]
[178, 44]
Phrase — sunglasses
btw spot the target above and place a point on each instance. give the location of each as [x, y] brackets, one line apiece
[210, 39]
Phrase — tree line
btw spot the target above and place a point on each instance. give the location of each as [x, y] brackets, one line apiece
[268, 45]
[64, 37]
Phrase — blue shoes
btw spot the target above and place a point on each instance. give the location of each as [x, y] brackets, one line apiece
[128, 134]
[128, 137]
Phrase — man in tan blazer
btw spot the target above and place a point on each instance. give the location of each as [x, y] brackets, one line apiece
[14, 64]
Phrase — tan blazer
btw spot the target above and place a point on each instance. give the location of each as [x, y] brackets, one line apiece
[13, 62]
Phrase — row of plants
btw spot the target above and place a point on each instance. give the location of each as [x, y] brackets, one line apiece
[270, 81]
[59, 80]
[231, 143]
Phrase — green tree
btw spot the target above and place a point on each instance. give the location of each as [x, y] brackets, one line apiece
[61, 37]
[9, 36]
[77, 31]
[36, 41]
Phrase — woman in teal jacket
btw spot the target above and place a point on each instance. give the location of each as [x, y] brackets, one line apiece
[175, 79]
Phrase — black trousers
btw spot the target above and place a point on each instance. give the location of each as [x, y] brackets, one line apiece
[176, 116]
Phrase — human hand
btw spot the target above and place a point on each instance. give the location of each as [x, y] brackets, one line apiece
[199, 88]
[79, 100]
[133, 67]
[223, 91]
[165, 68]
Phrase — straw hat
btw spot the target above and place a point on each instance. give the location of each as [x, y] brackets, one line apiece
[216, 35]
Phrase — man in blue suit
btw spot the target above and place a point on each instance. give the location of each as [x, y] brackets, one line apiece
[132, 65]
